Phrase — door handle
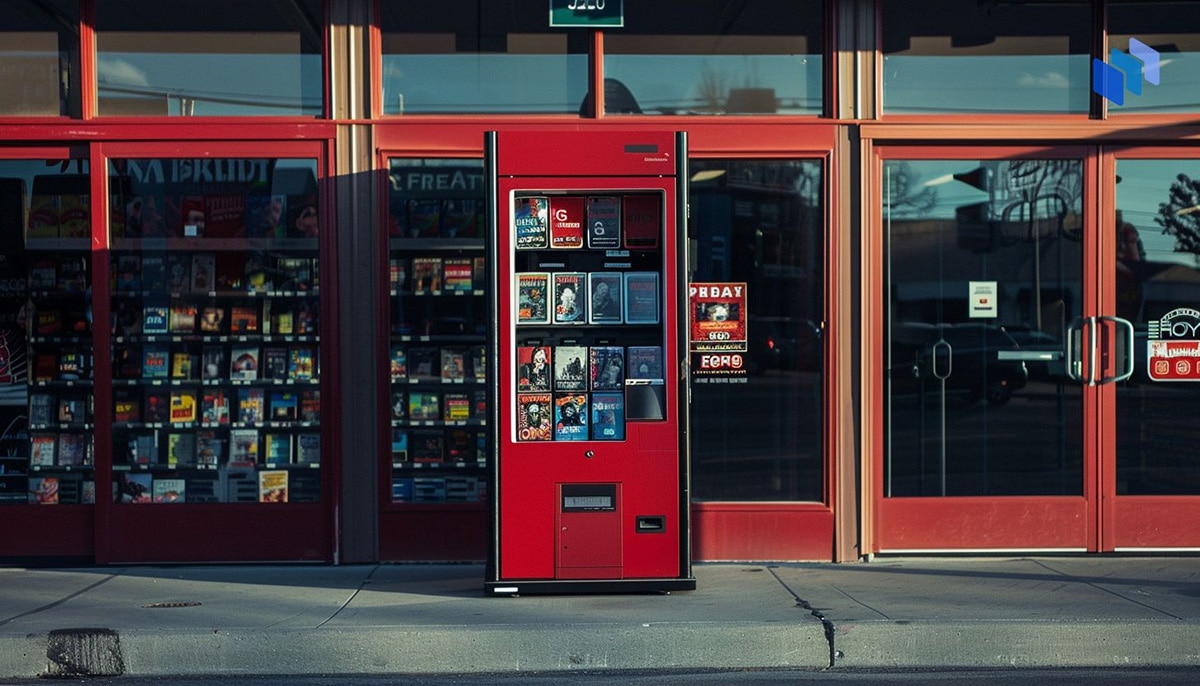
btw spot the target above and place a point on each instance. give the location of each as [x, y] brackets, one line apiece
[1123, 353]
[941, 345]
[1074, 350]
[1089, 373]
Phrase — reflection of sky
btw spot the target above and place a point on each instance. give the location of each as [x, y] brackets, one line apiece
[1144, 185]
[676, 83]
[472, 82]
[995, 83]
[255, 84]
[1178, 89]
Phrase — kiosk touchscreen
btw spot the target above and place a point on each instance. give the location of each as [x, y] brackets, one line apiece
[590, 481]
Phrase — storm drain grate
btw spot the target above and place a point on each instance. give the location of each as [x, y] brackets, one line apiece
[186, 603]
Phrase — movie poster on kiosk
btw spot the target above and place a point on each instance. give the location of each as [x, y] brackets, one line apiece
[718, 339]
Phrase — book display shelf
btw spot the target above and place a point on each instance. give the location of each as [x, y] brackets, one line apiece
[54, 463]
[215, 333]
[438, 339]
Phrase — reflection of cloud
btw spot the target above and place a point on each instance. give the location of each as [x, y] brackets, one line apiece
[1050, 79]
[119, 72]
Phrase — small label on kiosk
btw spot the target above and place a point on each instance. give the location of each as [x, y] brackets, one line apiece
[589, 497]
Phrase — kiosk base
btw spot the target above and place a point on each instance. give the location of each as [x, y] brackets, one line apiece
[566, 587]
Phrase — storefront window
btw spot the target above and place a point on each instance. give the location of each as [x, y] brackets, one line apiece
[189, 58]
[480, 56]
[438, 342]
[1157, 238]
[761, 223]
[951, 56]
[39, 58]
[715, 58]
[215, 330]
[1172, 30]
[46, 423]
[983, 281]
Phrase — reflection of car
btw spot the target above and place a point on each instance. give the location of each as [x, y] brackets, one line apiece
[963, 356]
[783, 343]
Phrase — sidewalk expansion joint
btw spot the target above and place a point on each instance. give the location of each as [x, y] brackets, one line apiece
[826, 623]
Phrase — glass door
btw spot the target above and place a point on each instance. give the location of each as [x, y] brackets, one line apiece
[985, 353]
[1154, 481]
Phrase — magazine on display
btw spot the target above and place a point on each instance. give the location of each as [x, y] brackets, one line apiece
[644, 362]
[273, 486]
[566, 222]
[570, 298]
[641, 298]
[604, 222]
[533, 368]
[604, 292]
[533, 289]
[570, 416]
[534, 417]
[530, 218]
[606, 367]
[608, 416]
[641, 221]
[570, 368]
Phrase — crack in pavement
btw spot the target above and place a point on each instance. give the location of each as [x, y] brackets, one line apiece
[826, 623]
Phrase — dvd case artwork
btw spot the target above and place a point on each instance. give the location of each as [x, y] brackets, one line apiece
[570, 417]
[605, 290]
[606, 367]
[531, 222]
[570, 368]
[533, 290]
[570, 298]
[534, 417]
[608, 416]
[641, 298]
[533, 368]
[566, 222]
[644, 362]
[642, 221]
[604, 222]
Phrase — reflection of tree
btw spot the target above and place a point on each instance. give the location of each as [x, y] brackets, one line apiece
[1180, 215]
[903, 194]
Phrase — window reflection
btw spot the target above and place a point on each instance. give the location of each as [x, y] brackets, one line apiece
[39, 58]
[716, 58]
[46, 371]
[761, 223]
[1156, 275]
[186, 59]
[984, 274]
[1163, 26]
[480, 57]
[950, 56]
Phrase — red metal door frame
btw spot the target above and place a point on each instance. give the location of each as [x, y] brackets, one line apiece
[1165, 523]
[910, 524]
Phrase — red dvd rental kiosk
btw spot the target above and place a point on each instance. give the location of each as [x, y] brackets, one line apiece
[591, 481]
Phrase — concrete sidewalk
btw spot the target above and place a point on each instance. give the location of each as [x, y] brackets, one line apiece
[295, 619]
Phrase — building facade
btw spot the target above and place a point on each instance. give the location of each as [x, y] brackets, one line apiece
[245, 305]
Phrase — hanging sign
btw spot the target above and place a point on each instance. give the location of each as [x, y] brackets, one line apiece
[587, 13]
[1173, 350]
